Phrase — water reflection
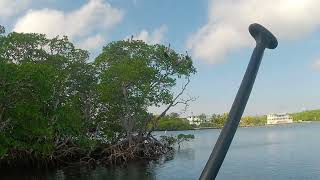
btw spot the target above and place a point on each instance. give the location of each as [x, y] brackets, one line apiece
[278, 152]
[27, 174]
[185, 154]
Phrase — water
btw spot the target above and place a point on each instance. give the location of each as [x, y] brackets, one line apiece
[277, 152]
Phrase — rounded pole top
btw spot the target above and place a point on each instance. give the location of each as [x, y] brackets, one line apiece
[263, 35]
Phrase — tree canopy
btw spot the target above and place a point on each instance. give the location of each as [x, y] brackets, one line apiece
[52, 97]
[135, 76]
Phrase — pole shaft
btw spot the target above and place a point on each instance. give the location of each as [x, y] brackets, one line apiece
[227, 133]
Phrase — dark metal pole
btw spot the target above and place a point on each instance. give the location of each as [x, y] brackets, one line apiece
[264, 39]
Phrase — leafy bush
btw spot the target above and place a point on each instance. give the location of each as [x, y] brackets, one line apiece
[171, 140]
[311, 115]
[173, 124]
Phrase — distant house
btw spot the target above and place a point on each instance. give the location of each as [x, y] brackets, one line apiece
[194, 120]
[279, 118]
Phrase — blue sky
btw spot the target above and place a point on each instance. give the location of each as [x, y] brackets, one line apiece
[214, 32]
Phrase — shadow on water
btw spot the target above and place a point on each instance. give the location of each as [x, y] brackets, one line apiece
[185, 154]
[137, 170]
[276, 152]
[28, 174]
[140, 170]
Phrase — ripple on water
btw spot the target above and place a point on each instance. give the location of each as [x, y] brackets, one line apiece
[276, 152]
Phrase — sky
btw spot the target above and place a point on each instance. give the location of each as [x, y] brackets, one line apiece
[213, 32]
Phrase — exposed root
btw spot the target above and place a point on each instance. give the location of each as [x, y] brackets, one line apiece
[146, 148]
[69, 154]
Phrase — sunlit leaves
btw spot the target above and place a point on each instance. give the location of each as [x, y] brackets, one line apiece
[135, 76]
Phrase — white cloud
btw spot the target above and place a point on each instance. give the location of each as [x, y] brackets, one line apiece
[316, 65]
[92, 42]
[81, 23]
[12, 7]
[154, 37]
[228, 21]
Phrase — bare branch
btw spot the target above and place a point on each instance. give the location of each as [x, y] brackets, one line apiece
[173, 103]
[186, 102]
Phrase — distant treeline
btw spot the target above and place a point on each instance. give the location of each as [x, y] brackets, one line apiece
[310, 115]
[218, 120]
[170, 123]
[174, 122]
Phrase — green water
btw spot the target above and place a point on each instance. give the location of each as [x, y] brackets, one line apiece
[274, 152]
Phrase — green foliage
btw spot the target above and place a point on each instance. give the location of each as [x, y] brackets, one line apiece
[218, 120]
[173, 124]
[171, 140]
[168, 140]
[49, 94]
[185, 136]
[253, 121]
[135, 76]
[208, 125]
[40, 80]
[311, 115]
[23, 102]
[2, 30]
[202, 117]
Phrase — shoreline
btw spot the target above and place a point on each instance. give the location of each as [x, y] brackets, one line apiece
[266, 125]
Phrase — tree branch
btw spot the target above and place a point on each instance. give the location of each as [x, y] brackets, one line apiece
[173, 103]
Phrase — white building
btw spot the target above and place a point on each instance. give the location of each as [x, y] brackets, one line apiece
[279, 118]
[194, 120]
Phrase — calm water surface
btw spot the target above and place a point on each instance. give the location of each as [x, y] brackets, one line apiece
[273, 152]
